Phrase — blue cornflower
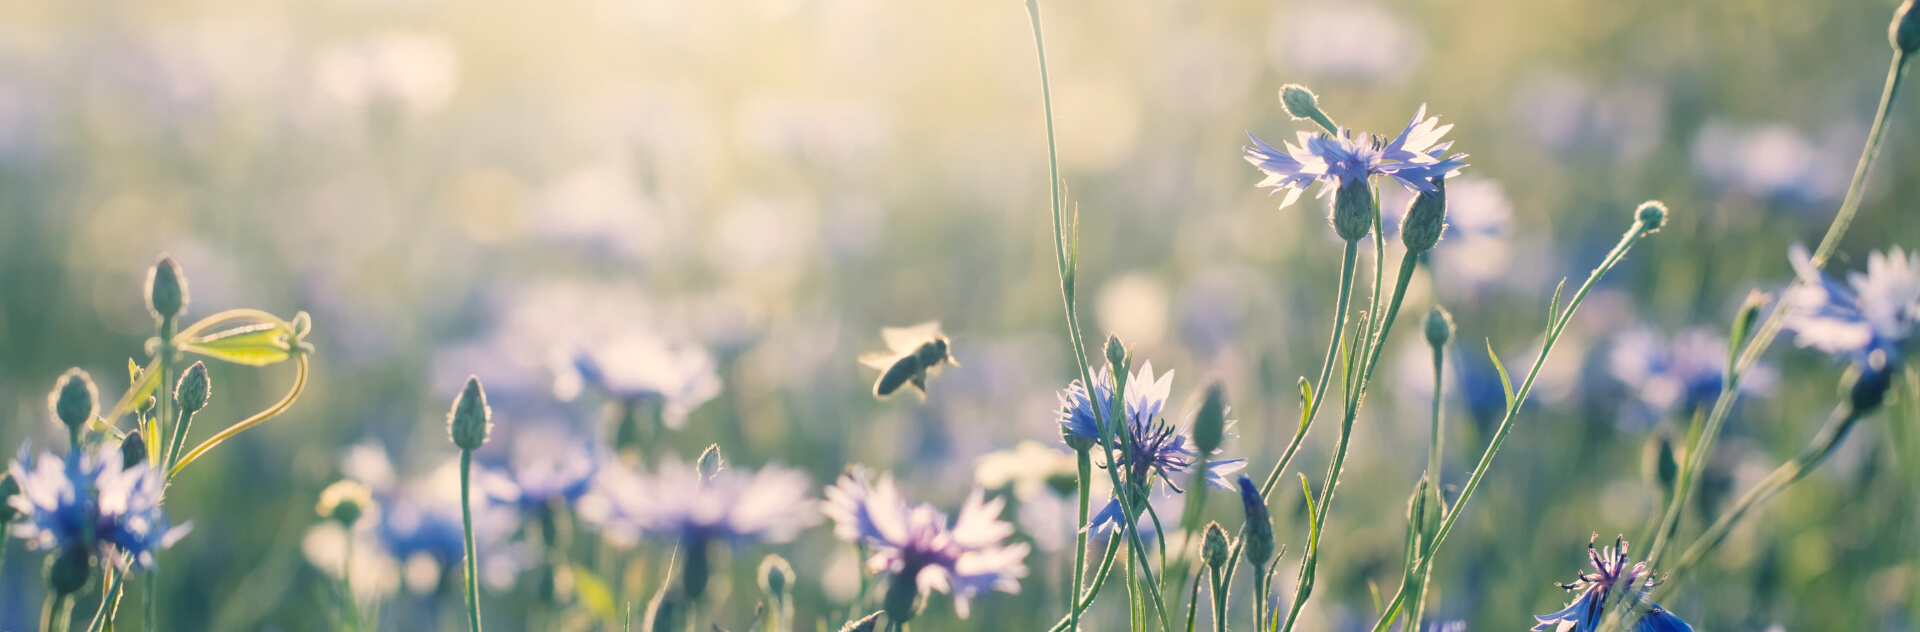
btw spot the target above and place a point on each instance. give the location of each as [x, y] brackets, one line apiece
[1877, 313]
[1412, 158]
[641, 368]
[547, 468]
[1151, 447]
[1679, 373]
[915, 542]
[1585, 613]
[86, 501]
[676, 503]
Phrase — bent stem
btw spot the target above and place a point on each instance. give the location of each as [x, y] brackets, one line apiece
[299, 385]
[1838, 423]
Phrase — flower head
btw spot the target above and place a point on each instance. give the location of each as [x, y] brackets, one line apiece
[1611, 572]
[640, 368]
[87, 501]
[1151, 448]
[675, 502]
[1680, 373]
[964, 558]
[1875, 311]
[1413, 158]
[547, 468]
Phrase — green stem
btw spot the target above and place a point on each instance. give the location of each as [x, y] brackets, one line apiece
[1831, 434]
[109, 601]
[346, 584]
[1099, 580]
[1193, 604]
[1219, 589]
[151, 622]
[473, 554]
[1436, 438]
[1084, 461]
[54, 616]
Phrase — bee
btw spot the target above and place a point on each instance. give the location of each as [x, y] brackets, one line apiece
[913, 353]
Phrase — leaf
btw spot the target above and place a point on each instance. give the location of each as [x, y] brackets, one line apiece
[252, 345]
[593, 593]
[1506, 384]
[1306, 404]
[1553, 307]
[1313, 515]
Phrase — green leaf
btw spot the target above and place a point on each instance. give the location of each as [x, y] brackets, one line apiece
[253, 345]
[1506, 384]
[1313, 515]
[1306, 403]
[593, 593]
[1553, 307]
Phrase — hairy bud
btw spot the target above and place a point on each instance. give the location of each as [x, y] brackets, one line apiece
[1353, 210]
[74, 400]
[166, 289]
[1259, 538]
[193, 389]
[1425, 219]
[468, 423]
[1439, 327]
[1214, 546]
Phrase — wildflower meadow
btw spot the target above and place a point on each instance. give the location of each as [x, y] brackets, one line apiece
[869, 316]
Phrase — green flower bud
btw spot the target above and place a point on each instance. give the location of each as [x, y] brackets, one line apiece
[1904, 32]
[8, 489]
[1425, 219]
[73, 400]
[1116, 355]
[1214, 547]
[133, 450]
[1301, 104]
[1439, 327]
[1211, 422]
[776, 577]
[68, 573]
[1651, 216]
[1353, 210]
[710, 462]
[166, 289]
[193, 388]
[344, 502]
[468, 423]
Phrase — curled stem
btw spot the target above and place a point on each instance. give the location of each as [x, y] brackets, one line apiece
[299, 385]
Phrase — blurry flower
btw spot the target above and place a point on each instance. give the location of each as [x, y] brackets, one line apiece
[1875, 311]
[641, 368]
[416, 538]
[1347, 40]
[1153, 447]
[1566, 115]
[1679, 373]
[1585, 613]
[344, 502]
[676, 503]
[1412, 158]
[1027, 467]
[1775, 161]
[87, 502]
[915, 543]
[547, 468]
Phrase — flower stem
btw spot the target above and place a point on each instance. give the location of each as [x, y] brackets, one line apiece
[1219, 589]
[466, 522]
[1084, 461]
[54, 616]
[1099, 580]
[1841, 420]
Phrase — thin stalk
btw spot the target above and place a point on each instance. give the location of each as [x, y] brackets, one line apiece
[346, 584]
[1838, 423]
[1436, 438]
[466, 523]
[1219, 589]
[54, 615]
[1099, 580]
[1193, 604]
[299, 386]
[109, 601]
[1084, 461]
[151, 622]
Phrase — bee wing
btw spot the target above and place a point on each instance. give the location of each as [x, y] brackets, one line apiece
[904, 340]
[880, 360]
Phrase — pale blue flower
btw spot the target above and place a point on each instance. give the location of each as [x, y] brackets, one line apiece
[1875, 311]
[547, 468]
[1413, 159]
[1611, 572]
[965, 558]
[1679, 373]
[89, 502]
[675, 503]
[641, 368]
[1153, 448]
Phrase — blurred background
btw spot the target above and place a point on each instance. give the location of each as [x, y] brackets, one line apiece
[463, 187]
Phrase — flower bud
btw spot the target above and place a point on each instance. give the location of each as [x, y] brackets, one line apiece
[194, 387]
[776, 577]
[1904, 32]
[1658, 464]
[8, 489]
[1650, 217]
[1116, 355]
[133, 450]
[344, 502]
[1874, 379]
[1353, 210]
[1425, 219]
[1214, 547]
[1076, 442]
[68, 573]
[1259, 538]
[1209, 425]
[1439, 327]
[166, 289]
[710, 462]
[73, 400]
[1301, 104]
[468, 422]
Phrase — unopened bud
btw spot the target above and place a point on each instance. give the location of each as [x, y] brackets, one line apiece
[1116, 355]
[1301, 104]
[1874, 379]
[344, 502]
[1209, 425]
[710, 462]
[1651, 216]
[1214, 546]
[1439, 326]
[1259, 538]
[166, 289]
[133, 450]
[1904, 32]
[776, 577]
[1353, 210]
[468, 423]
[73, 400]
[1425, 219]
[193, 388]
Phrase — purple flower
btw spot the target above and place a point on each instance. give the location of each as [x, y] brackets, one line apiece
[640, 368]
[87, 501]
[1152, 447]
[1412, 158]
[677, 504]
[1680, 373]
[1875, 311]
[963, 559]
[547, 468]
[1612, 571]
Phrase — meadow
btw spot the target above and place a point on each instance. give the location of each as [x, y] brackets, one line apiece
[798, 315]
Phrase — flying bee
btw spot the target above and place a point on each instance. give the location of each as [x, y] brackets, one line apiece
[913, 353]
